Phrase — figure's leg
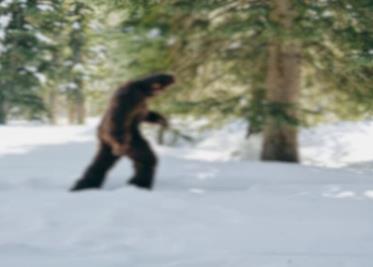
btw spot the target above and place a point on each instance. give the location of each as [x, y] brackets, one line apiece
[94, 175]
[145, 163]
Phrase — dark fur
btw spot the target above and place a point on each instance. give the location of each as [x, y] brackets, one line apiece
[119, 134]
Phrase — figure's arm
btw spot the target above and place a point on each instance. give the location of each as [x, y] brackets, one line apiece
[155, 117]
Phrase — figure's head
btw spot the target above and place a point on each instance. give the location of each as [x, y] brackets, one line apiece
[155, 84]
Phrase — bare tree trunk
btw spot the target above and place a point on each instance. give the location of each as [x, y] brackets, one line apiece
[256, 115]
[2, 111]
[76, 107]
[160, 135]
[52, 107]
[71, 112]
[77, 43]
[80, 107]
[283, 86]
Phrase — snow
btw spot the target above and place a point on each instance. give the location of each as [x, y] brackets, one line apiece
[6, 3]
[78, 67]
[343, 144]
[4, 22]
[327, 14]
[71, 86]
[206, 210]
[154, 33]
[42, 78]
[45, 7]
[43, 38]
[76, 25]
[235, 45]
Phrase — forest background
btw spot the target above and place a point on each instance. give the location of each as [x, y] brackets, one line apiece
[278, 65]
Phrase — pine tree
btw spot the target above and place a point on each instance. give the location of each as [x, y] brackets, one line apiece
[53, 23]
[20, 48]
[283, 87]
[320, 37]
[78, 19]
[308, 59]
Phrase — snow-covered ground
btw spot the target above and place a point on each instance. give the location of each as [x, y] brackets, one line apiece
[208, 208]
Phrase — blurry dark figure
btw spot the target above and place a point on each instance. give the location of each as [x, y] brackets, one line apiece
[119, 134]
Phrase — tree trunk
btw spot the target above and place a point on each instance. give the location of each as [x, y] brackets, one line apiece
[80, 107]
[71, 112]
[160, 135]
[52, 107]
[76, 107]
[283, 86]
[2, 111]
[256, 114]
[77, 43]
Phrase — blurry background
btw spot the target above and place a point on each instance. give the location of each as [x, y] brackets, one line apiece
[272, 66]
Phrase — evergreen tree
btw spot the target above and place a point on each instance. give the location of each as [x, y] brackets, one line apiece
[53, 23]
[225, 52]
[78, 19]
[21, 47]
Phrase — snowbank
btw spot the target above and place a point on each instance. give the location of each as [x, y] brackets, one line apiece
[203, 212]
[344, 144]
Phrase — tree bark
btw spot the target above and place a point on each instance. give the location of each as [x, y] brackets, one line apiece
[256, 116]
[71, 114]
[160, 135]
[2, 111]
[80, 107]
[76, 107]
[52, 107]
[77, 43]
[280, 142]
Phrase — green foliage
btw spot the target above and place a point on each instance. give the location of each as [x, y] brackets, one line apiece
[44, 52]
[216, 48]
[218, 51]
[21, 54]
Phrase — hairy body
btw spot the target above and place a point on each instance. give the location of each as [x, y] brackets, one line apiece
[119, 133]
